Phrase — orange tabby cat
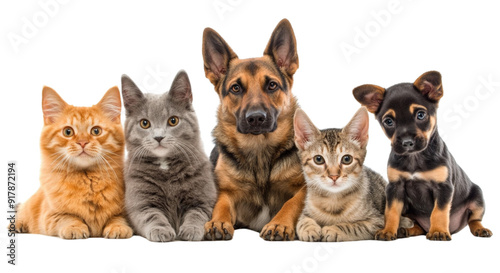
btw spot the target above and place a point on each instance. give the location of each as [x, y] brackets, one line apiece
[81, 182]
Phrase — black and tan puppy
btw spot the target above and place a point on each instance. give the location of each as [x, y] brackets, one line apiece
[258, 171]
[425, 182]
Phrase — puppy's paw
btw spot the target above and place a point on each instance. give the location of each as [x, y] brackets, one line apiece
[310, 233]
[274, 231]
[218, 230]
[438, 235]
[117, 231]
[191, 233]
[385, 235]
[75, 231]
[482, 232]
[161, 234]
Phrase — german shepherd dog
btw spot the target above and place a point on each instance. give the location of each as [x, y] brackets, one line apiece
[425, 182]
[256, 163]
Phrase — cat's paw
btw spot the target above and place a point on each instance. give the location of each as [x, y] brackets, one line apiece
[311, 233]
[218, 230]
[191, 233]
[405, 222]
[332, 234]
[274, 231]
[76, 231]
[117, 231]
[161, 234]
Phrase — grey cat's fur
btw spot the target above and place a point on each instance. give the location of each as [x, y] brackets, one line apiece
[345, 202]
[170, 190]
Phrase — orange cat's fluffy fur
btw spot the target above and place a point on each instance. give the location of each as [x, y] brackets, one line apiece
[81, 182]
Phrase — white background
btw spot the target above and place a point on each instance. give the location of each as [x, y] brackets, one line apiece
[82, 48]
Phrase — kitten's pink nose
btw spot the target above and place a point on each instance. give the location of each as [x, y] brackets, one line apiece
[334, 177]
[83, 143]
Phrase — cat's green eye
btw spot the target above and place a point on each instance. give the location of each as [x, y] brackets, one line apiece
[68, 131]
[173, 121]
[145, 124]
[319, 160]
[347, 159]
[95, 131]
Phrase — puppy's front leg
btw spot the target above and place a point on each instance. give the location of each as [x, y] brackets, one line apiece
[393, 209]
[440, 216]
[223, 218]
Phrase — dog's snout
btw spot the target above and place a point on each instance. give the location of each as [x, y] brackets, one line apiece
[256, 118]
[407, 142]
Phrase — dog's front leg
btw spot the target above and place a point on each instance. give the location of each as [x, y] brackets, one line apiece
[223, 218]
[393, 209]
[282, 226]
[440, 216]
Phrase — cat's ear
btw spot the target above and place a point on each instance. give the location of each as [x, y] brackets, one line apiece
[282, 48]
[111, 104]
[357, 128]
[180, 91]
[216, 55]
[52, 105]
[429, 84]
[132, 95]
[305, 131]
[370, 96]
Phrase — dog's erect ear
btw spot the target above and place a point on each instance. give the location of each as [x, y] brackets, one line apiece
[132, 95]
[282, 48]
[180, 91]
[430, 85]
[305, 131]
[216, 55]
[370, 96]
[357, 128]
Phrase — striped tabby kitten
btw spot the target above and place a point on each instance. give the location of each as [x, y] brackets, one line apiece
[170, 190]
[345, 200]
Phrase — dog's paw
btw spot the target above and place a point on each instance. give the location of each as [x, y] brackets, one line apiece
[385, 235]
[482, 232]
[191, 233]
[218, 230]
[117, 231]
[161, 234]
[438, 235]
[311, 233]
[76, 231]
[278, 232]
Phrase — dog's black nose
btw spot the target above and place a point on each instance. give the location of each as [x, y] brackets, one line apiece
[407, 142]
[255, 118]
[159, 138]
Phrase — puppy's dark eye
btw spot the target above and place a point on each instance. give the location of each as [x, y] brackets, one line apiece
[389, 122]
[421, 115]
[145, 124]
[319, 160]
[235, 88]
[272, 86]
[347, 159]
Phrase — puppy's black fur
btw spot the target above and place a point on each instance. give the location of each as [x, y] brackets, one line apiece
[426, 184]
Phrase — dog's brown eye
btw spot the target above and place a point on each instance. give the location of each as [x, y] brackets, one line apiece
[347, 159]
[68, 131]
[173, 121]
[421, 115]
[145, 124]
[272, 86]
[95, 131]
[235, 88]
[389, 122]
[319, 160]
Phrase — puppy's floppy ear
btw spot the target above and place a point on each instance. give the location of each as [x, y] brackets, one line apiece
[132, 95]
[282, 48]
[370, 96]
[430, 85]
[305, 131]
[180, 91]
[357, 128]
[52, 105]
[216, 55]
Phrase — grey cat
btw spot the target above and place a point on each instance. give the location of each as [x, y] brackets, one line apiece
[345, 200]
[170, 189]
